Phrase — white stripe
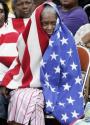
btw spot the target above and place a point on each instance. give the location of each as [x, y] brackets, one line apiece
[13, 64]
[16, 81]
[8, 49]
[3, 70]
[26, 21]
[35, 54]
[21, 47]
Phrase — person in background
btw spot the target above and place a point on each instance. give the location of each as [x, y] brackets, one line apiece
[72, 14]
[82, 36]
[22, 10]
[26, 99]
[8, 51]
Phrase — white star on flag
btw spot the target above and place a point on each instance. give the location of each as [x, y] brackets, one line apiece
[42, 63]
[49, 104]
[64, 117]
[66, 87]
[50, 43]
[47, 84]
[53, 56]
[62, 61]
[61, 104]
[64, 75]
[52, 89]
[47, 76]
[78, 80]
[70, 100]
[64, 41]
[74, 66]
[57, 69]
[74, 114]
[70, 52]
[80, 94]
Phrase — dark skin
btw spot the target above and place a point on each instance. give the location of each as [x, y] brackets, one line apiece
[23, 8]
[48, 20]
[68, 4]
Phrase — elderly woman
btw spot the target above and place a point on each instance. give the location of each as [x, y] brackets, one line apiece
[44, 30]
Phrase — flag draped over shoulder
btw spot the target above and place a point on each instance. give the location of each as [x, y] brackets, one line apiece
[60, 73]
[25, 70]
[61, 77]
[18, 24]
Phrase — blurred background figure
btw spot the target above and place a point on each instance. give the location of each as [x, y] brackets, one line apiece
[22, 10]
[8, 51]
[72, 14]
[86, 119]
[9, 3]
[82, 36]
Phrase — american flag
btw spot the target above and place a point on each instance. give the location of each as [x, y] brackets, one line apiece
[18, 24]
[61, 77]
[60, 72]
[25, 70]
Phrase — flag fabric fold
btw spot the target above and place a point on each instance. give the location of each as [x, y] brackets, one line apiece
[59, 73]
[25, 70]
[60, 76]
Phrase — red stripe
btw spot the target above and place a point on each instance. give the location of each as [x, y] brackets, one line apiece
[26, 68]
[7, 61]
[9, 75]
[26, 31]
[18, 24]
[43, 37]
[8, 38]
[43, 41]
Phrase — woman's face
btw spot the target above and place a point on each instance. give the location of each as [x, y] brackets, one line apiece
[48, 21]
[2, 15]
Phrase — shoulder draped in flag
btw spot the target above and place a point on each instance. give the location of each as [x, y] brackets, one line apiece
[18, 24]
[59, 73]
[25, 70]
[8, 51]
[61, 76]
